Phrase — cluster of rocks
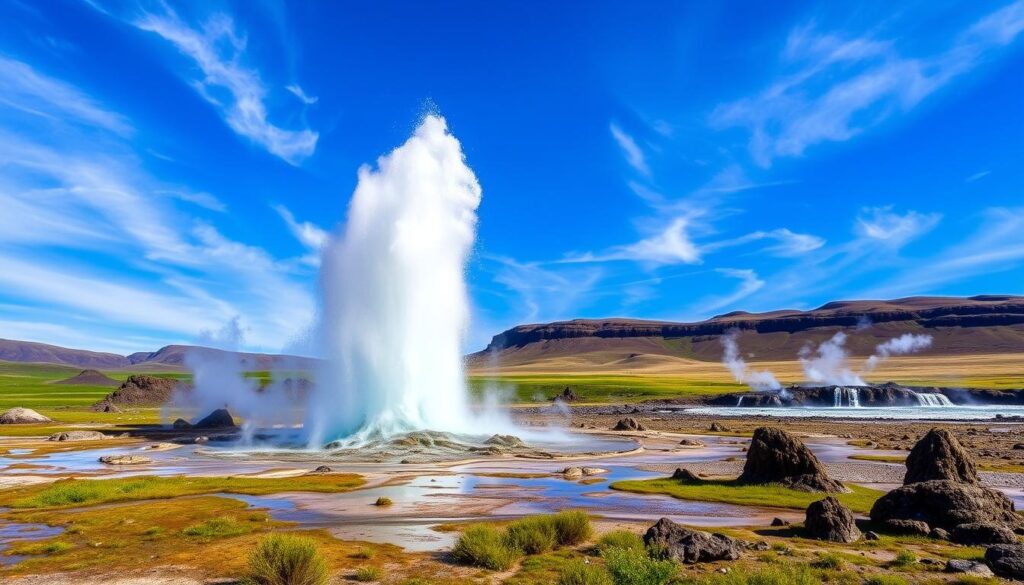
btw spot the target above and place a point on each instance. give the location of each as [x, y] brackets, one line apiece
[628, 424]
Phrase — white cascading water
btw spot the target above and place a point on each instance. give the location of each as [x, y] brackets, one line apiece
[395, 303]
[932, 399]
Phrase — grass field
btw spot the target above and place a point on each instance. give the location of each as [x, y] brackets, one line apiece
[595, 387]
[860, 499]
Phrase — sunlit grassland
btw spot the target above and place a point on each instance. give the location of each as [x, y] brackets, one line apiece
[860, 499]
[83, 492]
[595, 387]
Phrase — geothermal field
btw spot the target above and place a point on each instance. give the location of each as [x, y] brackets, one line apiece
[437, 293]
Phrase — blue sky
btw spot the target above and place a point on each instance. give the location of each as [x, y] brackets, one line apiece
[165, 168]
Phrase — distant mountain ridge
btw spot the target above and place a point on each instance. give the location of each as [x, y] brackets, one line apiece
[171, 356]
[978, 324]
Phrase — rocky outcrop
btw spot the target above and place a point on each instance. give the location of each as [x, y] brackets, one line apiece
[142, 390]
[1006, 560]
[218, 419]
[567, 395]
[89, 378]
[685, 475]
[77, 436]
[776, 457]
[983, 533]
[104, 406]
[830, 520]
[507, 441]
[125, 460]
[940, 456]
[628, 424]
[22, 416]
[946, 504]
[691, 546]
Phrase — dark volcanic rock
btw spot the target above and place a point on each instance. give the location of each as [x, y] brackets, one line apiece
[321, 469]
[219, 418]
[682, 474]
[717, 428]
[142, 390]
[104, 406]
[911, 527]
[181, 424]
[1006, 560]
[775, 456]
[567, 395]
[779, 522]
[967, 567]
[983, 533]
[829, 520]
[628, 424]
[939, 456]
[691, 546]
[690, 443]
[946, 504]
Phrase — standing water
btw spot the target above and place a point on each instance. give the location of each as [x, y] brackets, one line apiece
[395, 305]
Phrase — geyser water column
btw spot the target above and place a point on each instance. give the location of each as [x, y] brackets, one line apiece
[395, 306]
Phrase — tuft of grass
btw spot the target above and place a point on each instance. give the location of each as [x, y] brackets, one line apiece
[828, 561]
[577, 572]
[286, 560]
[41, 548]
[217, 528]
[363, 554]
[532, 535]
[621, 539]
[904, 558]
[485, 546]
[77, 492]
[383, 501]
[368, 574]
[781, 574]
[860, 499]
[635, 567]
[572, 527]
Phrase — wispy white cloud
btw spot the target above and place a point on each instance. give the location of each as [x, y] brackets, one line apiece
[308, 234]
[632, 151]
[299, 93]
[844, 86]
[218, 50]
[31, 92]
[787, 242]
[201, 198]
[977, 175]
[545, 293]
[893, 229]
[670, 245]
[749, 284]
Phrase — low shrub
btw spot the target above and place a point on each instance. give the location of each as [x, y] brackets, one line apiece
[41, 548]
[776, 575]
[621, 539]
[828, 561]
[363, 553]
[484, 546]
[572, 527]
[634, 567]
[532, 535]
[383, 501]
[217, 528]
[368, 574]
[579, 573]
[286, 560]
[904, 558]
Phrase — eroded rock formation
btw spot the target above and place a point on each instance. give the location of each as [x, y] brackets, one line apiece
[777, 457]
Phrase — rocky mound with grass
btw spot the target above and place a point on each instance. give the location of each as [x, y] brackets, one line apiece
[942, 495]
[776, 457]
[141, 390]
[22, 416]
[938, 455]
[89, 378]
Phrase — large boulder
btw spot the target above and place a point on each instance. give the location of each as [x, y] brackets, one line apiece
[938, 455]
[1006, 560]
[628, 424]
[77, 436]
[775, 456]
[22, 416]
[983, 533]
[966, 567]
[217, 419]
[691, 546]
[830, 520]
[946, 504]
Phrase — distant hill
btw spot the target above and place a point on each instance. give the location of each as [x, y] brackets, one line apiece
[169, 357]
[959, 326]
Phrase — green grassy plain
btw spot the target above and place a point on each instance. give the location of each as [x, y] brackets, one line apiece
[525, 388]
[860, 499]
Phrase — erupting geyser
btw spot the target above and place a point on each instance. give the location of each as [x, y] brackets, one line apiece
[395, 305]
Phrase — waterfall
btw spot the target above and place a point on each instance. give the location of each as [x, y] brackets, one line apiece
[850, 395]
[932, 399]
[740, 401]
[854, 397]
[837, 397]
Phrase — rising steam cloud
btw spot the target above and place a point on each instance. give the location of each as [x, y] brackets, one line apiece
[828, 364]
[904, 344]
[758, 380]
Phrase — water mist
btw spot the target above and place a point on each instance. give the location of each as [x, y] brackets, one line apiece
[395, 304]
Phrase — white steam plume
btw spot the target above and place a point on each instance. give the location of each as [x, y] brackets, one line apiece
[395, 304]
[828, 364]
[902, 345]
[759, 381]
